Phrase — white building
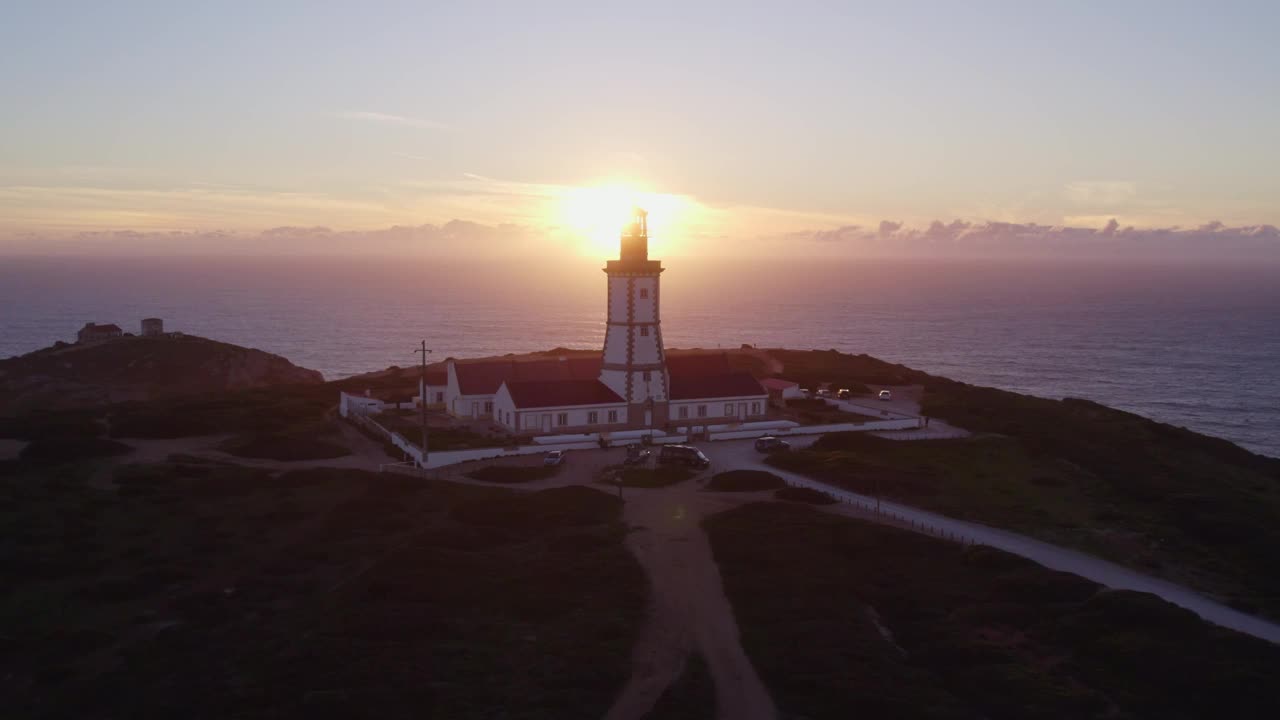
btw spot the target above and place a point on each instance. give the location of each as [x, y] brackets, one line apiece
[631, 385]
[471, 386]
[559, 407]
[434, 387]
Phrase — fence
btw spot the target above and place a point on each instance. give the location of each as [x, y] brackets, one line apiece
[873, 425]
[889, 511]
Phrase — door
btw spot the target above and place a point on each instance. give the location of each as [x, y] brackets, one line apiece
[648, 418]
[742, 411]
[546, 423]
[475, 409]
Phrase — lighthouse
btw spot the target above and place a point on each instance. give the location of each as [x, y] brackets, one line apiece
[634, 365]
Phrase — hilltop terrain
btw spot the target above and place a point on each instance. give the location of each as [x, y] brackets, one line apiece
[125, 369]
[227, 552]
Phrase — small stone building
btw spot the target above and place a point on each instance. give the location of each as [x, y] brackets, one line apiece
[152, 327]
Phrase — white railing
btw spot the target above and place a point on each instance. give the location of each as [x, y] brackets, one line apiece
[885, 511]
[900, 424]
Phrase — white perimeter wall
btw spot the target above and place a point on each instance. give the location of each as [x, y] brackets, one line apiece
[349, 405]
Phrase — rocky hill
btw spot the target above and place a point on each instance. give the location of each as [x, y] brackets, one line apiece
[137, 368]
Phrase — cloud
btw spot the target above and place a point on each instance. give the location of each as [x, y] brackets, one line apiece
[960, 238]
[389, 119]
[456, 238]
[468, 239]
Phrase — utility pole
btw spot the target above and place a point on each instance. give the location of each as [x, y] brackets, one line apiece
[422, 397]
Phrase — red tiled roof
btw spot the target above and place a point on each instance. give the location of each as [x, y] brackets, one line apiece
[691, 387]
[437, 377]
[697, 365]
[560, 393]
[778, 384]
[485, 377]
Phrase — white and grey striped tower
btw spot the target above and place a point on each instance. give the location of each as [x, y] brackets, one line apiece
[634, 362]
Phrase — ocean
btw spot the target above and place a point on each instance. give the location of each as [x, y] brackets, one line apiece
[1197, 346]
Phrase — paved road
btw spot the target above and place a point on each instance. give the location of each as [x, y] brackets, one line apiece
[739, 454]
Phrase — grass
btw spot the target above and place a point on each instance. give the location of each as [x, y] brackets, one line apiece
[513, 474]
[1189, 508]
[811, 368]
[71, 448]
[1195, 509]
[442, 438]
[882, 623]
[272, 410]
[217, 590]
[655, 477]
[745, 481]
[816, 411]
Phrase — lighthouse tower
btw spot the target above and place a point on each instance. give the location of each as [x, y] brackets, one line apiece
[634, 363]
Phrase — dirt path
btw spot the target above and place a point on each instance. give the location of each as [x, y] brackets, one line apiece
[689, 610]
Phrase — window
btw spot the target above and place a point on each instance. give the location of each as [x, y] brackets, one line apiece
[644, 293]
[488, 407]
[644, 331]
[755, 408]
[646, 376]
[593, 417]
[702, 411]
[562, 419]
[728, 409]
[613, 416]
[683, 412]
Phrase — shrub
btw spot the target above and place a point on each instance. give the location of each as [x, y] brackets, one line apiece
[657, 477]
[513, 474]
[804, 495]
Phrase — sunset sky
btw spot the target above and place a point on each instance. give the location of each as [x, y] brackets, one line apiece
[738, 124]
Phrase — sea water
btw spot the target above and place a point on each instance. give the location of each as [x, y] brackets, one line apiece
[1197, 346]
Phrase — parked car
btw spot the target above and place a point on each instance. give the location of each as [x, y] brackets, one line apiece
[844, 394]
[555, 457]
[683, 455]
[806, 392]
[886, 395]
[824, 393]
[770, 444]
[636, 455]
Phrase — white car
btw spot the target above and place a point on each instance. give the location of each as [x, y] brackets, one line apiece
[555, 457]
[886, 395]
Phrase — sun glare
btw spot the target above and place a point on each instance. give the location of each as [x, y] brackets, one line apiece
[598, 214]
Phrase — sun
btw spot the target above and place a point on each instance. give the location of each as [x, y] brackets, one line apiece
[597, 215]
